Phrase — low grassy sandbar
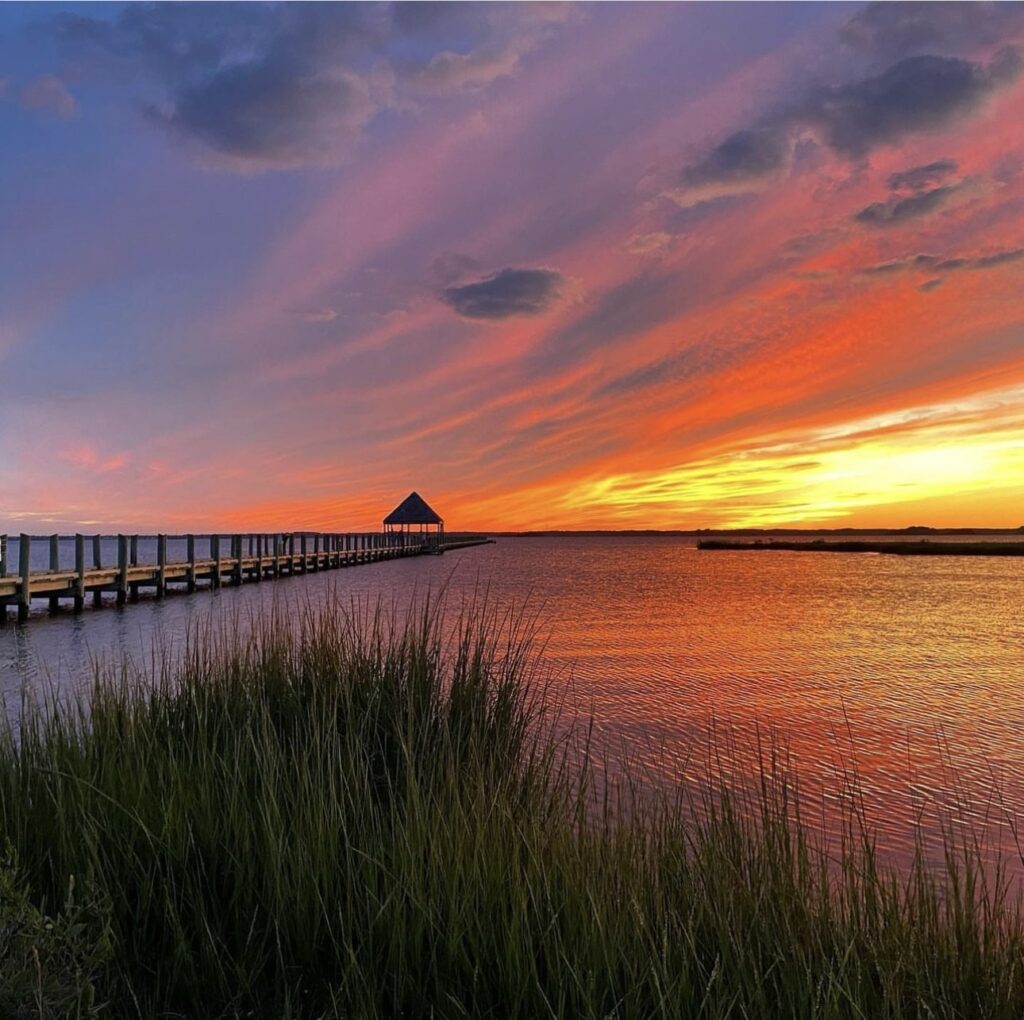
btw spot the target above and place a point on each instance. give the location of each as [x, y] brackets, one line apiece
[921, 547]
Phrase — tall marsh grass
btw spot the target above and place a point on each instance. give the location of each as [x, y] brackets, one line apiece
[351, 817]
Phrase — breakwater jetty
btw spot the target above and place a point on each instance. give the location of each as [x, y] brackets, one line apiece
[68, 569]
[922, 547]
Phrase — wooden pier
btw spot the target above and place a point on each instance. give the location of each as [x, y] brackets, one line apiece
[230, 559]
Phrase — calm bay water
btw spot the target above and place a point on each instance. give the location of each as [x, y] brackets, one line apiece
[908, 668]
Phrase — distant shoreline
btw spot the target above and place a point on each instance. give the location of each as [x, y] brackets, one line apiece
[922, 547]
[923, 532]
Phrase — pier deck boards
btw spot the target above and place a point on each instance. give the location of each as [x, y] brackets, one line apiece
[252, 558]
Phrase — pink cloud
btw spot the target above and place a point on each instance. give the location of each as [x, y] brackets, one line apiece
[48, 94]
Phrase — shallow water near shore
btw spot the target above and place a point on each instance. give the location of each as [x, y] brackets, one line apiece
[908, 670]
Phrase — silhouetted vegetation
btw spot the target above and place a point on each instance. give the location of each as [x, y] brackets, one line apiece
[348, 817]
[922, 547]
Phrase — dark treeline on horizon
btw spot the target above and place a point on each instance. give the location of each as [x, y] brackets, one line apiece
[696, 532]
[65, 535]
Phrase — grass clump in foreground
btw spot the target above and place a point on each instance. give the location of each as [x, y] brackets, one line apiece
[354, 819]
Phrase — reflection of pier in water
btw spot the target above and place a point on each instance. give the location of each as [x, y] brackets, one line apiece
[231, 559]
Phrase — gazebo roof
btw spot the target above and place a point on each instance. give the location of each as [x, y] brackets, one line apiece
[413, 510]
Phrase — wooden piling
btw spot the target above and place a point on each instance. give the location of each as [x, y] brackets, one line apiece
[79, 573]
[3, 555]
[54, 568]
[215, 556]
[25, 569]
[236, 570]
[97, 564]
[122, 569]
[133, 588]
[190, 577]
[161, 565]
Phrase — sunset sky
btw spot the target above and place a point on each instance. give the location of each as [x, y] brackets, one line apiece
[620, 266]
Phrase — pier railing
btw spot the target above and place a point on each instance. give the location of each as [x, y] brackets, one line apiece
[70, 567]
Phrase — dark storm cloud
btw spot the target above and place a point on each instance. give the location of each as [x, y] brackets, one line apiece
[900, 29]
[263, 86]
[437, 22]
[744, 156]
[935, 264]
[1000, 258]
[268, 115]
[916, 94]
[260, 86]
[918, 178]
[185, 43]
[507, 293]
[897, 265]
[921, 93]
[895, 211]
[170, 40]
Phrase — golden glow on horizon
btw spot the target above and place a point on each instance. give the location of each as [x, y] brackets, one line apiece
[816, 477]
[868, 472]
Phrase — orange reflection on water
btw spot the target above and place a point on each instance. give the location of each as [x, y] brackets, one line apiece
[904, 670]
